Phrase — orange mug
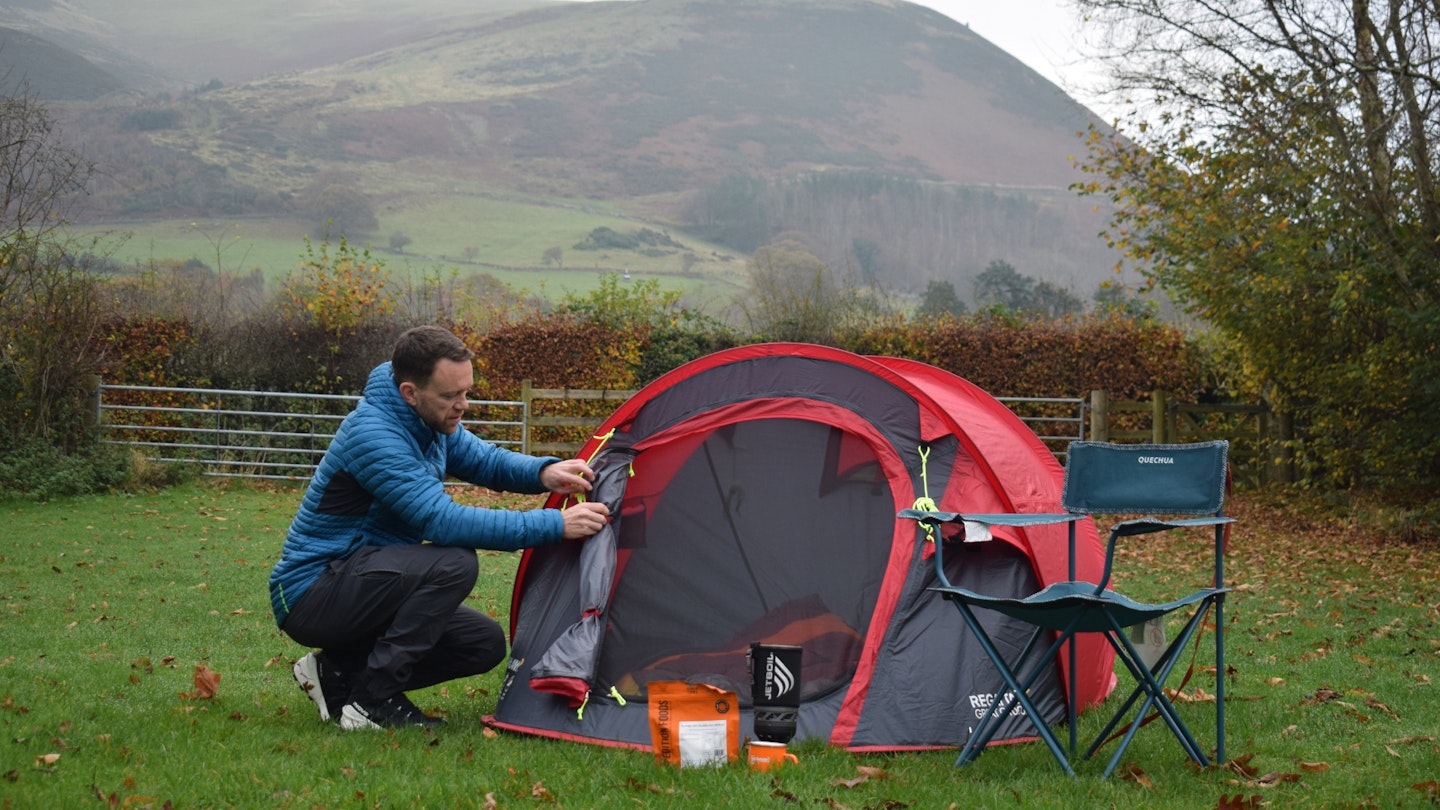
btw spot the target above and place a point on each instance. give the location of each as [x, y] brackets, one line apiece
[765, 756]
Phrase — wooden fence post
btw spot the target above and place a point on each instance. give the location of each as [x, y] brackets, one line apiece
[1099, 416]
[93, 391]
[1286, 456]
[1158, 416]
[528, 398]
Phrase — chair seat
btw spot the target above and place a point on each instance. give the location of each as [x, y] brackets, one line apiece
[1076, 606]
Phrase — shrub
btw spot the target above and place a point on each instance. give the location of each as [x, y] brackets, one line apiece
[151, 120]
[40, 470]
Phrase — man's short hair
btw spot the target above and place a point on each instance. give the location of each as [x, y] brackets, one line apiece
[419, 349]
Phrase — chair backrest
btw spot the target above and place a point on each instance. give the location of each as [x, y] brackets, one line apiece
[1176, 479]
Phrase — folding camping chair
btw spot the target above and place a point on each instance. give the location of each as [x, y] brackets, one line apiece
[1102, 478]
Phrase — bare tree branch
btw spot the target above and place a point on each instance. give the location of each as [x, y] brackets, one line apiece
[39, 174]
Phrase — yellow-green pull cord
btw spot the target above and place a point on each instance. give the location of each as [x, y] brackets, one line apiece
[614, 693]
[925, 503]
[580, 496]
[605, 438]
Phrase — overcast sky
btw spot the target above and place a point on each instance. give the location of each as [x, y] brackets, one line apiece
[1043, 34]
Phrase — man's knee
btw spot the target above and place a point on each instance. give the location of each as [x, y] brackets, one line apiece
[478, 637]
[458, 565]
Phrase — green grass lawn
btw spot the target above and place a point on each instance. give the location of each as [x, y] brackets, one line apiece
[111, 603]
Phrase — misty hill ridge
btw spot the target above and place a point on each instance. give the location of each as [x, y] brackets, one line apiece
[699, 89]
[644, 104]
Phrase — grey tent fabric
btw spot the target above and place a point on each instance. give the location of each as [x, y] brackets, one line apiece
[570, 661]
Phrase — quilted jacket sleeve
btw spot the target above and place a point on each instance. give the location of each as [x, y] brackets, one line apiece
[479, 462]
[411, 502]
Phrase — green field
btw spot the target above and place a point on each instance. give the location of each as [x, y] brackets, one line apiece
[450, 234]
[110, 603]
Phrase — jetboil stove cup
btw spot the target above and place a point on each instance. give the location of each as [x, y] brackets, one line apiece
[775, 690]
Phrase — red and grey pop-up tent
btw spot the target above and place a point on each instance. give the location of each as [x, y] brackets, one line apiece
[756, 492]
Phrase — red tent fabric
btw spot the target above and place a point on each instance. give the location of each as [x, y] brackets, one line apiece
[758, 502]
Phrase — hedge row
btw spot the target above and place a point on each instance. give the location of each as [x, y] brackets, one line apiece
[1003, 356]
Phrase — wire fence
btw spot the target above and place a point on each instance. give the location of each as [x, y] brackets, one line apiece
[278, 435]
[254, 434]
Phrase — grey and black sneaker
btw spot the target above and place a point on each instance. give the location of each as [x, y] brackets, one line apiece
[395, 711]
[322, 684]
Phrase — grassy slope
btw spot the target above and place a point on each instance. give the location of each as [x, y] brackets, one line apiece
[109, 604]
[510, 238]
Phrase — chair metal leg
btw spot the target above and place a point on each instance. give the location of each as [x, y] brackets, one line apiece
[1160, 673]
[996, 713]
[1152, 684]
[1219, 676]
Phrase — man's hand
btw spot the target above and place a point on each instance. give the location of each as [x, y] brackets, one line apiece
[567, 477]
[584, 519]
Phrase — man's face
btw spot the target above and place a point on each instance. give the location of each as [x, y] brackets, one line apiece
[441, 401]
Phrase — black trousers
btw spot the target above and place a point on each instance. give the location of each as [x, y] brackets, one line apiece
[392, 619]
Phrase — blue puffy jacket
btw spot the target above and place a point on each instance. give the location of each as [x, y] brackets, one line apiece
[382, 483]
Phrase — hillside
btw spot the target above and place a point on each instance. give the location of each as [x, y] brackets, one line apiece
[873, 123]
[48, 70]
[170, 44]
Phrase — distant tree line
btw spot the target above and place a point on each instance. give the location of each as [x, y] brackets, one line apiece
[883, 228]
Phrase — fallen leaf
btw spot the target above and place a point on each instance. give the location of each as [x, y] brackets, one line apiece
[872, 772]
[1315, 767]
[1197, 696]
[1375, 704]
[1241, 765]
[1132, 773]
[539, 791]
[1275, 681]
[1276, 778]
[1354, 712]
[640, 787]
[46, 760]
[490, 803]
[1239, 802]
[207, 683]
[784, 795]
[849, 783]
